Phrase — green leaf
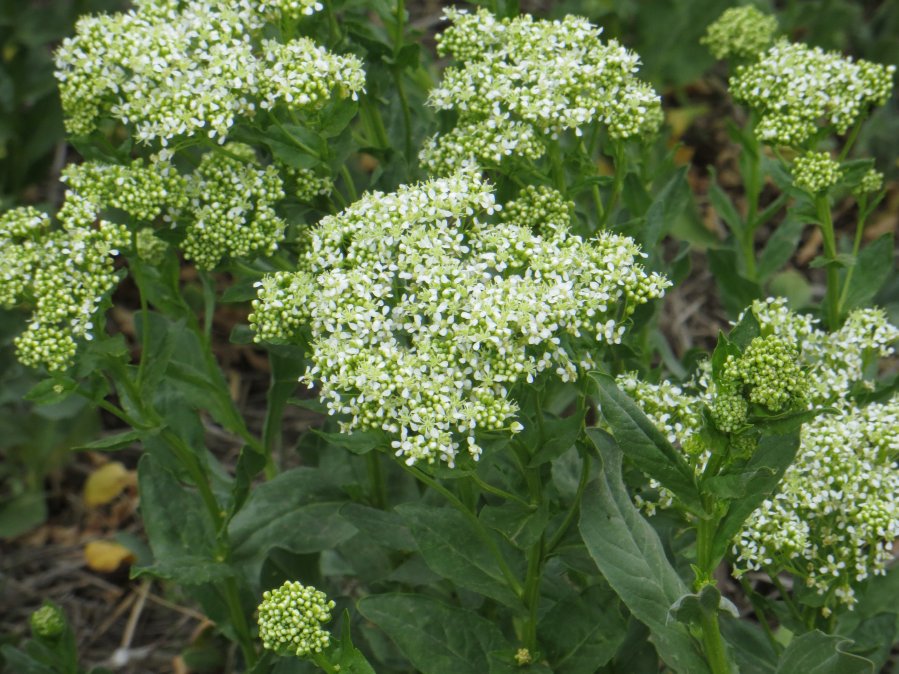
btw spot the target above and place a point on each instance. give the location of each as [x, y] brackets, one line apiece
[670, 202]
[792, 285]
[751, 483]
[559, 435]
[723, 206]
[51, 391]
[819, 653]
[872, 269]
[444, 537]
[691, 608]
[780, 424]
[435, 637]
[298, 511]
[582, 632]
[737, 292]
[746, 330]
[644, 444]
[385, 527]
[750, 647]
[179, 529]
[113, 442]
[358, 442]
[723, 349]
[22, 513]
[346, 656]
[521, 525]
[630, 556]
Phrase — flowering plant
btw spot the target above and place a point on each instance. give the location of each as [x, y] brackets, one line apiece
[508, 467]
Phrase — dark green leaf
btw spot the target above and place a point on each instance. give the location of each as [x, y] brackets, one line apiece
[559, 435]
[670, 202]
[819, 653]
[346, 656]
[737, 292]
[112, 442]
[583, 631]
[691, 608]
[750, 646]
[297, 511]
[780, 424]
[444, 537]
[521, 525]
[51, 391]
[358, 442]
[630, 556]
[872, 269]
[746, 330]
[644, 444]
[723, 206]
[385, 527]
[180, 531]
[436, 638]
[22, 513]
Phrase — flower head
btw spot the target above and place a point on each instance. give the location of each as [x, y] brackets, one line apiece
[291, 619]
[48, 622]
[815, 172]
[423, 316]
[520, 79]
[172, 69]
[740, 32]
[797, 90]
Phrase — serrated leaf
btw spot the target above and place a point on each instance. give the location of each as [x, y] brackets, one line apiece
[435, 637]
[644, 444]
[628, 552]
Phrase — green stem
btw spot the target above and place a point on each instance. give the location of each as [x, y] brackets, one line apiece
[376, 478]
[300, 144]
[208, 304]
[573, 510]
[492, 548]
[322, 661]
[558, 170]
[617, 181]
[850, 141]
[594, 187]
[398, 75]
[374, 123]
[271, 430]
[239, 621]
[714, 644]
[832, 300]
[496, 491]
[759, 609]
[144, 326]
[753, 191]
[350, 185]
[786, 597]
[856, 247]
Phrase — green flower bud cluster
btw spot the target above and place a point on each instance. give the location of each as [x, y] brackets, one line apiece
[870, 183]
[307, 184]
[836, 516]
[173, 69]
[141, 191]
[740, 32]
[816, 172]
[48, 622]
[21, 233]
[485, 142]
[231, 207]
[65, 274]
[423, 316]
[539, 207]
[550, 75]
[837, 513]
[291, 619]
[797, 90]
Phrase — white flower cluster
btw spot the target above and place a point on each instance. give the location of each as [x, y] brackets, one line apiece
[172, 69]
[816, 172]
[740, 32]
[837, 512]
[64, 274]
[231, 207]
[797, 90]
[423, 316]
[549, 75]
[291, 619]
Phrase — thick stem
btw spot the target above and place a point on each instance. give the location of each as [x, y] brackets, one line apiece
[620, 169]
[376, 479]
[399, 33]
[239, 621]
[714, 644]
[832, 299]
[856, 247]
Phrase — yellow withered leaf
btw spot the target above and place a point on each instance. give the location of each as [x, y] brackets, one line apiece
[106, 556]
[105, 483]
